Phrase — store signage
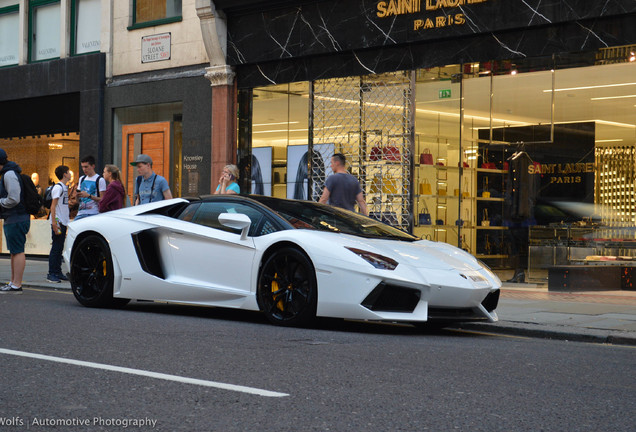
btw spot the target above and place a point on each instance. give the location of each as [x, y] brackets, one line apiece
[444, 18]
[445, 93]
[562, 173]
[155, 48]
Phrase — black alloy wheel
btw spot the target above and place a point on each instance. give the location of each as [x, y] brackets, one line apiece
[92, 273]
[287, 288]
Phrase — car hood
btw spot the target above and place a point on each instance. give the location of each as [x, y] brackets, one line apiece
[420, 254]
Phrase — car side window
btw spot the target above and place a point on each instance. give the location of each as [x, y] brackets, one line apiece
[208, 213]
[188, 213]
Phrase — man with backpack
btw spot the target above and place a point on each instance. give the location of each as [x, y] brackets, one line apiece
[59, 219]
[89, 189]
[17, 221]
[149, 186]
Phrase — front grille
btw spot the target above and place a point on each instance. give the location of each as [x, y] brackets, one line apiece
[391, 298]
[491, 301]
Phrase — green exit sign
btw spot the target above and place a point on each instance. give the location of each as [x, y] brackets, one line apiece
[445, 93]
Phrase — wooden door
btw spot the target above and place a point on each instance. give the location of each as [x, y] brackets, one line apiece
[152, 139]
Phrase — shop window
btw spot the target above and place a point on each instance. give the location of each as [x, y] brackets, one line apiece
[44, 30]
[280, 125]
[148, 13]
[86, 30]
[9, 36]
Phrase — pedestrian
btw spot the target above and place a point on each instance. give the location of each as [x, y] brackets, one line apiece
[59, 219]
[149, 187]
[89, 189]
[113, 198]
[17, 221]
[341, 188]
[227, 182]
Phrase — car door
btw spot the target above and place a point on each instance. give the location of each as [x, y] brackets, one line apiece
[213, 257]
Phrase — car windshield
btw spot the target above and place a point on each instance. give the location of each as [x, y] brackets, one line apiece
[311, 215]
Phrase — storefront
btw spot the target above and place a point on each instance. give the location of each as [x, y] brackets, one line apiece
[505, 128]
[49, 111]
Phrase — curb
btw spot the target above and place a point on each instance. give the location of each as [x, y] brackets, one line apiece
[543, 332]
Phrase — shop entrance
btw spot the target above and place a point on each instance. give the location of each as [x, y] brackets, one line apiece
[152, 139]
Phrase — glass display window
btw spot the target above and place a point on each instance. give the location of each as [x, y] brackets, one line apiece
[9, 36]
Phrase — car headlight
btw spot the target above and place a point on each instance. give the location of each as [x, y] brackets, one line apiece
[378, 261]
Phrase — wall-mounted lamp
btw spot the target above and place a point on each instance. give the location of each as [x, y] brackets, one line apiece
[56, 146]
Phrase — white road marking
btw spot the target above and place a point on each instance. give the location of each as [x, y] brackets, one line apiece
[140, 372]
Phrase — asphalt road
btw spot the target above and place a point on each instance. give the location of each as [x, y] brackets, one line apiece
[251, 376]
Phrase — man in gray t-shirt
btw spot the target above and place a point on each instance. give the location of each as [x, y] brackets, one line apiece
[342, 189]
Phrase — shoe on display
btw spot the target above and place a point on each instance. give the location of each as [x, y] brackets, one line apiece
[10, 289]
[52, 278]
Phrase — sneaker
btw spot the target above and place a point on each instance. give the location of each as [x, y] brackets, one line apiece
[52, 278]
[62, 277]
[10, 289]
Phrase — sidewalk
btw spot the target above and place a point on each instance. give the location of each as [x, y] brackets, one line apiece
[524, 309]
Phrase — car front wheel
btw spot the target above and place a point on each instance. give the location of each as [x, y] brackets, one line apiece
[287, 288]
[92, 273]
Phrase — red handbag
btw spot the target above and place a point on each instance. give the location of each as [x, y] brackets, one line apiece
[391, 153]
[426, 158]
[376, 153]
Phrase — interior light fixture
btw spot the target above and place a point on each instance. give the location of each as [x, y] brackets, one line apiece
[613, 97]
[273, 124]
[609, 140]
[591, 87]
[56, 146]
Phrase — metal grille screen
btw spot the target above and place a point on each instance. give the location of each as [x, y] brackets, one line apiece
[368, 119]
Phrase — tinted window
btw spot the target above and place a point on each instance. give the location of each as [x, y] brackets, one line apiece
[310, 215]
[208, 213]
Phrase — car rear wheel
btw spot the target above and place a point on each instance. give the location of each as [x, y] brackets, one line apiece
[287, 288]
[92, 273]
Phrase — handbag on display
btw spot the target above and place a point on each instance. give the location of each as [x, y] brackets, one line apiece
[424, 218]
[465, 192]
[460, 222]
[426, 157]
[376, 153]
[485, 164]
[485, 193]
[425, 188]
[391, 153]
[376, 184]
[485, 221]
[390, 186]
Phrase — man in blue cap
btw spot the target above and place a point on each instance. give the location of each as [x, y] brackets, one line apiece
[17, 221]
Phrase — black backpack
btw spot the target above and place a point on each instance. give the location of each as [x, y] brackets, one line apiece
[32, 199]
[48, 195]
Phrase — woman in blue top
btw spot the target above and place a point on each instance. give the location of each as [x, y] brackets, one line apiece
[227, 182]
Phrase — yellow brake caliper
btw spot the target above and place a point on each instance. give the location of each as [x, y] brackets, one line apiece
[104, 267]
[275, 288]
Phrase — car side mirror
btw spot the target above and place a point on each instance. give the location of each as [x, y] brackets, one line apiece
[236, 221]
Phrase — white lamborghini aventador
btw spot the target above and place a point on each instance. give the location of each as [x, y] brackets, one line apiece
[292, 260]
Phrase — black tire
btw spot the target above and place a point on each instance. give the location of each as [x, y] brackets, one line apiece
[92, 273]
[287, 288]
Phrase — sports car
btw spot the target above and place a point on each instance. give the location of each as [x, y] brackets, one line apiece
[292, 260]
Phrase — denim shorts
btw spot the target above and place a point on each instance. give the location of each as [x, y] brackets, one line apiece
[15, 235]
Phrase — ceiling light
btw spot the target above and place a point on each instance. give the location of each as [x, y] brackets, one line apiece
[590, 87]
[608, 140]
[613, 97]
[278, 123]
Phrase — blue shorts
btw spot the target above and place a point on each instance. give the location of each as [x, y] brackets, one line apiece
[15, 235]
